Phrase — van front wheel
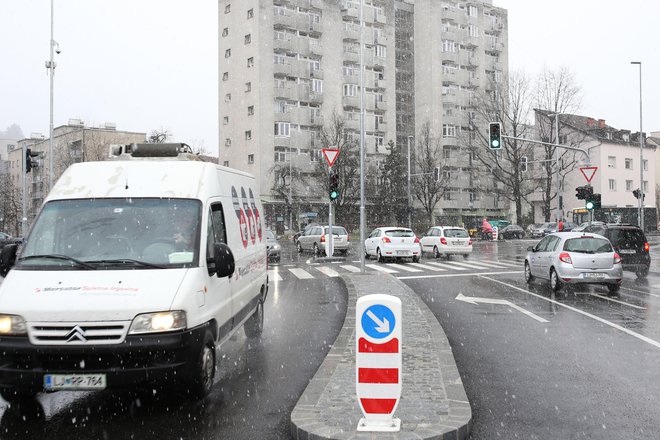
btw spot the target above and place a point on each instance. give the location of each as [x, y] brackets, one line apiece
[203, 370]
[254, 326]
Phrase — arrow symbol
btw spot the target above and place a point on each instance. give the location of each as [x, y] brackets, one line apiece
[382, 326]
[476, 301]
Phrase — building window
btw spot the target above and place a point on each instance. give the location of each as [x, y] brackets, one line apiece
[448, 46]
[250, 62]
[645, 164]
[350, 89]
[447, 195]
[473, 11]
[227, 53]
[225, 163]
[250, 13]
[227, 97]
[611, 161]
[473, 31]
[378, 140]
[280, 106]
[629, 185]
[448, 130]
[248, 39]
[281, 154]
[250, 110]
[225, 32]
[446, 153]
[380, 51]
[278, 59]
[227, 142]
[612, 184]
[228, 8]
[314, 65]
[248, 135]
[628, 165]
[317, 86]
[314, 18]
[225, 76]
[315, 155]
[250, 158]
[225, 120]
[248, 86]
[282, 129]
[645, 186]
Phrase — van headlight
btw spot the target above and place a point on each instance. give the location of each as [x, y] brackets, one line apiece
[12, 325]
[158, 322]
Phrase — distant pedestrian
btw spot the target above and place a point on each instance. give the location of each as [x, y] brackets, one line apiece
[560, 225]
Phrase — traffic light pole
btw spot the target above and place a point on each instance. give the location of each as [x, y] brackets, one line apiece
[550, 144]
[330, 245]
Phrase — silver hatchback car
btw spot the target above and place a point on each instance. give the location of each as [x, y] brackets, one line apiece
[574, 258]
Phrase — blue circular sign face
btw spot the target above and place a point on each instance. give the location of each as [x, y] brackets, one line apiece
[378, 321]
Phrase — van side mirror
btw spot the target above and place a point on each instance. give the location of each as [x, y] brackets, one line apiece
[531, 249]
[7, 258]
[224, 260]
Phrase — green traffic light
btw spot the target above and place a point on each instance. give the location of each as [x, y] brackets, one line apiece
[589, 205]
[495, 144]
[334, 195]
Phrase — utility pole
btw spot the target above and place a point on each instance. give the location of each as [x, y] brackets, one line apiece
[409, 207]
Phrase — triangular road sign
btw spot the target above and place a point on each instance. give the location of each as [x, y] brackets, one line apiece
[588, 172]
[330, 155]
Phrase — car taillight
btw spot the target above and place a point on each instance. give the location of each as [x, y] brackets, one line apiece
[646, 247]
[386, 240]
[416, 240]
[470, 242]
[565, 257]
[443, 240]
[323, 238]
[617, 258]
[348, 237]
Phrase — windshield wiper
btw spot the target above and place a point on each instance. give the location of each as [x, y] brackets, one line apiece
[60, 257]
[126, 261]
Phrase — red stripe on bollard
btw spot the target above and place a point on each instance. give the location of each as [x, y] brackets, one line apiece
[378, 375]
[378, 406]
[392, 346]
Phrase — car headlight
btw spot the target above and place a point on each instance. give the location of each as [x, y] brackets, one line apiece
[158, 322]
[276, 247]
[12, 325]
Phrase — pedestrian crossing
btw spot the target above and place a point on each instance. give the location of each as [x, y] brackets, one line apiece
[445, 267]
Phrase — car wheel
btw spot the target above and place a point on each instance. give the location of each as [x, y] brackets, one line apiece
[520, 235]
[466, 256]
[613, 288]
[436, 253]
[555, 282]
[254, 326]
[379, 256]
[642, 273]
[528, 273]
[415, 259]
[366, 255]
[317, 251]
[203, 370]
[299, 247]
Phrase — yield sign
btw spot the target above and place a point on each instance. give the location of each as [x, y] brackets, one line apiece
[330, 155]
[588, 172]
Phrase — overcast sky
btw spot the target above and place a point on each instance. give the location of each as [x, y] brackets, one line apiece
[152, 64]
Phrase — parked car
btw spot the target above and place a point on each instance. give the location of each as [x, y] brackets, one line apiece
[313, 239]
[8, 239]
[273, 247]
[574, 258]
[584, 225]
[446, 241]
[392, 243]
[631, 244]
[512, 231]
[552, 227]
[538, 230]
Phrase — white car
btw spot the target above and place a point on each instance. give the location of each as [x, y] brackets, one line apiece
[446, 241]
[392, 243]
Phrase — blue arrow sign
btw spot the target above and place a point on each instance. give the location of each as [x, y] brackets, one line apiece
[378, 321]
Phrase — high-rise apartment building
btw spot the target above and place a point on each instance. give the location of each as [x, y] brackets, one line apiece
[286, 66]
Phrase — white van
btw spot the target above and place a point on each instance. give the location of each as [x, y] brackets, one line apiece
[135, 271]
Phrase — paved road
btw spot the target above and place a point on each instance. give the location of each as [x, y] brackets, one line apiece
[258, 384]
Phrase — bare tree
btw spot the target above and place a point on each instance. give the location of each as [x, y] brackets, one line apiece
[10, 205]
[387, 193]
[510, 104]
[283, 187]
[427, 189]
[159, 136]
[557, 93]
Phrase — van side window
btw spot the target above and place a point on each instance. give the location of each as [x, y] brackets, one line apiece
[217, 232]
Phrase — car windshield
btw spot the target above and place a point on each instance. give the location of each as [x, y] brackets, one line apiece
[114, 233]
[588, 245]
[338, 230]
[400, 233]
[456, 233]
[627, 238]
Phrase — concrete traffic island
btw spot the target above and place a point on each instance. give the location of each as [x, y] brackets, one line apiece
[433, 402]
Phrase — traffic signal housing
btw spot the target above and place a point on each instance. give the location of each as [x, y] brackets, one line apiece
[334, 187]
[523, 164]
[28, 160]
[592, 201]
[495, 135]
[638, 193]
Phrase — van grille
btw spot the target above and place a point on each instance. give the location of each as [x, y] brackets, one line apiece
[78, 333]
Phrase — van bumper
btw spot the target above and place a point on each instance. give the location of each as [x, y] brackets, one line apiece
[158, 359]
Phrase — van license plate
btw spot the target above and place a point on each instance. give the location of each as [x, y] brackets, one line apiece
[74, 381]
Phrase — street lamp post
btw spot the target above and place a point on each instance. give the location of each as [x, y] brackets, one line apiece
[558, 214]
[362, 207]
[409, 203]
[50, 65]
[641, 151]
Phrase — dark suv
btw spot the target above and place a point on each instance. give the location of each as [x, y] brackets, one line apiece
[630, 243]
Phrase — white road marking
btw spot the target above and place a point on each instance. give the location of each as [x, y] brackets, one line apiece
[274, 275]
[500, 263]
[380, 268]
[581, 312]
[446, 267]
[447, 275]
[403, 267]
[477, 301]
[327, 271]
[350, 268]
[468, 265]
[610, 299]
[424, 266]
[490, 264]
[301, 274]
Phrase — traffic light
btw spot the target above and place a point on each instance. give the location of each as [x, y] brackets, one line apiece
[596, 200]
[523, 164]
[592, 200]
[495, 135]
[334, 187]
[436, 174]
[588, 192]
[638, 193]
[579, 192]
[28, 160]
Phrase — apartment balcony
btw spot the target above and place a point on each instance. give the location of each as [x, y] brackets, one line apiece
[471, 42]
[306, 117]
[352, 124]
[353, 79]
[380, 18]
[379, 62]
[353, 13]
[371, 125]
[449, 14]
[449, 98]
[495, 47]
[317, 74]
[450, 56]
[379, 84]
[288, 45]
[312, 97]
[290, 115]
[381, 105]
[353, 57]
[474, 81]
[297, 139]
[351, 101]
[315, 49]
[291, 21]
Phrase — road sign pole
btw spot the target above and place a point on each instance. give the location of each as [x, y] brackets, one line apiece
[378, 361]
[329, 241]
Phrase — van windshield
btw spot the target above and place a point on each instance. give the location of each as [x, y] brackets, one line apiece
[129, 233]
